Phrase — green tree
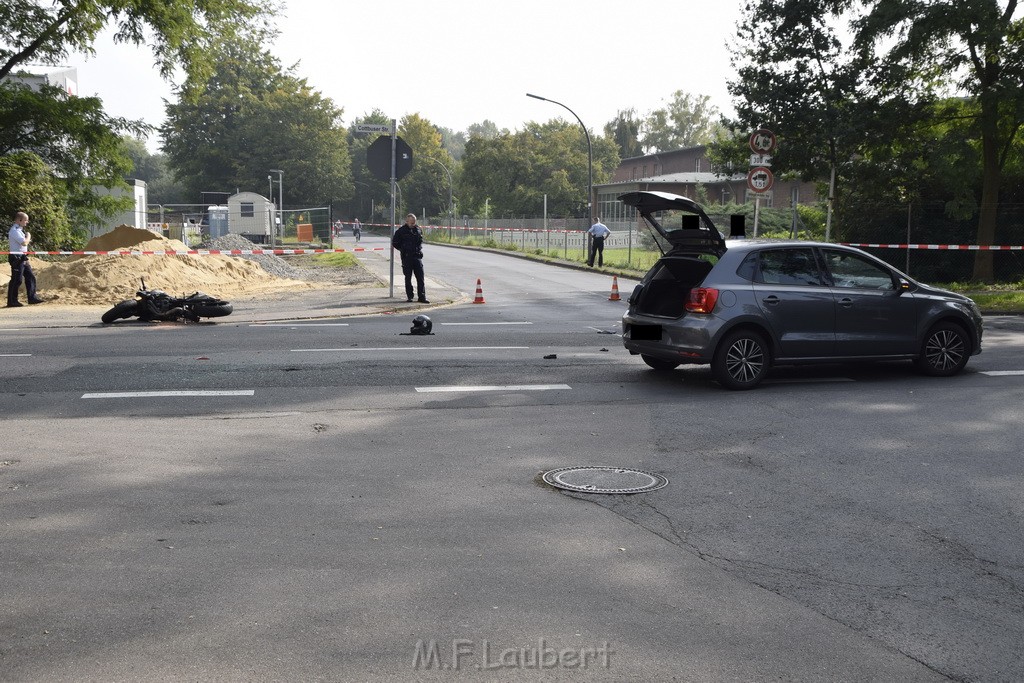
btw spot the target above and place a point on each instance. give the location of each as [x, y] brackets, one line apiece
[795, 75]
[454, 142]
[486, 129]
[369, 192]
[624, 129]
[75, 139]
[161, 187]
[225, 132]
[180, 32]
[515, 170]
[426, 186]
[976, 47]
[30, 186]
[686, 120]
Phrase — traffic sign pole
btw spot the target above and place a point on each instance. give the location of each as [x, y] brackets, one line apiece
[394, 143]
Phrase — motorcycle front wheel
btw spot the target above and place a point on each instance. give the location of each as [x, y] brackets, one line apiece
[125, 309]
[212, 310]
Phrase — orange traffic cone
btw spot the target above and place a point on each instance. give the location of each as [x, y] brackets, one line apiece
[479, 293]
[615, 289]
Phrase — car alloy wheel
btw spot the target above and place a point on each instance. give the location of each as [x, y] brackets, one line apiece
[741, 361]
[945, 350]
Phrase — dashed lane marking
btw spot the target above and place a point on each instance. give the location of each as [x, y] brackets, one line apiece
[299, 325]
[1002, 373]
[494, 323]
[505, 387]
[15, 355]
[161, 394]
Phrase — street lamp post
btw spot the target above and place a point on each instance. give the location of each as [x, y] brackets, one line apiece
[451, 184]
[280, 192]
[590, 155]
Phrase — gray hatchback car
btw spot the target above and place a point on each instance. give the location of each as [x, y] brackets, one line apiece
[745, 305]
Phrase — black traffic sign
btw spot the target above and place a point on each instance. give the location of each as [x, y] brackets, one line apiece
[378, 158]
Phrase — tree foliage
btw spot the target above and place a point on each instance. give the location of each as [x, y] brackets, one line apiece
[512, 172]
[868, 90]
[161, 187]
[75, 139]
[180, 32]
[29, 185]
[624, 130]
[975, 48]
[226, 132]
[427, 184]
[685, 121]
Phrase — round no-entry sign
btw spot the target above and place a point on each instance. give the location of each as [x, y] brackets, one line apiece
[762, 141]
[760, 179]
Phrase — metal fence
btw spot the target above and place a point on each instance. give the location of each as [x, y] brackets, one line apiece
[932, 242]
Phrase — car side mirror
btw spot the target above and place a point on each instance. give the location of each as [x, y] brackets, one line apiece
[904, 285]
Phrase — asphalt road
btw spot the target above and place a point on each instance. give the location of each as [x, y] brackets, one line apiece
[334, 499]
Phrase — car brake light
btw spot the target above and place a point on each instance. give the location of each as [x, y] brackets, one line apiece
[702, 300]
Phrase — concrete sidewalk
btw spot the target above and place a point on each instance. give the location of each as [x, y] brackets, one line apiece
[329, 301]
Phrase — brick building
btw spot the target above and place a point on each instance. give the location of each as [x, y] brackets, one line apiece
[681, 171]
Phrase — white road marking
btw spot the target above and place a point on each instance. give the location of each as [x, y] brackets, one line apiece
[159, 394]
[299, 325]
[1003, 373]
[417, 348]
[495, 323]
[15, 355]
[506, 387]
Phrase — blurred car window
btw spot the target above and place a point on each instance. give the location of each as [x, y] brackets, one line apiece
[853, 272]
[790, 267]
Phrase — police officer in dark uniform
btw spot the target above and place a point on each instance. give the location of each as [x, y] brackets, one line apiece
[408, 240]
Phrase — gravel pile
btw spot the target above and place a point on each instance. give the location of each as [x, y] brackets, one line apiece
[297, 267]
[275, 265]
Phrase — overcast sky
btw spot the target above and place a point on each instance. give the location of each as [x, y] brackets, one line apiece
[459, 62]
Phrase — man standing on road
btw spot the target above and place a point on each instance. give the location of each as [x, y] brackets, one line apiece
[408, 240]
[599, 231]
[21, 270]
[357, 229]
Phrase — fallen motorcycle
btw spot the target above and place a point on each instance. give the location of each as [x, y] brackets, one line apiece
[156, 304]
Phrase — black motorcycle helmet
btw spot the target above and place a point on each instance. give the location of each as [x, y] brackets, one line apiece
[421, 325]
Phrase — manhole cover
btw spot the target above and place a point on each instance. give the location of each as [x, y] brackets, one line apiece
[604, 480]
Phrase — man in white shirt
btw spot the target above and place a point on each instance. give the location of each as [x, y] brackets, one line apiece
[599, 231]
[21, 271]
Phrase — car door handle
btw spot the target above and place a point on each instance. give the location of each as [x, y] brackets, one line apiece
[846, 302]
[771, 300]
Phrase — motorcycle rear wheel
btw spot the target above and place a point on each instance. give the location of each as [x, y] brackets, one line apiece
[212, 310]
[125, 309]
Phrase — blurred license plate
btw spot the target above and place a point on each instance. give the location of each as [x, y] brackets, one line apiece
[645, 332]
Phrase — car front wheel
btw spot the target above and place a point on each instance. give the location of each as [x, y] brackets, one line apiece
[945, 350]
[741, 360]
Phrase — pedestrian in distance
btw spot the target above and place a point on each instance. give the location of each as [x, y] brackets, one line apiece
[408, 241]
[21, 269]
[599, 231]
[357, 229]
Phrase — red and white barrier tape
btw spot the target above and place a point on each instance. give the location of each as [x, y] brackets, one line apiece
[938, 247]
[197, 252]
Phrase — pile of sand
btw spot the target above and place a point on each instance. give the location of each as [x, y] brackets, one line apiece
[89, 280]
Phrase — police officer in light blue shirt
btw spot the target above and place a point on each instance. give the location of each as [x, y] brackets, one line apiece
[599, 231]
[21, 271]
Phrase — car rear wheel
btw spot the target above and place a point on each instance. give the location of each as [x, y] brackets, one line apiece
[659, 364]
[945, 350]
[741, 360]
